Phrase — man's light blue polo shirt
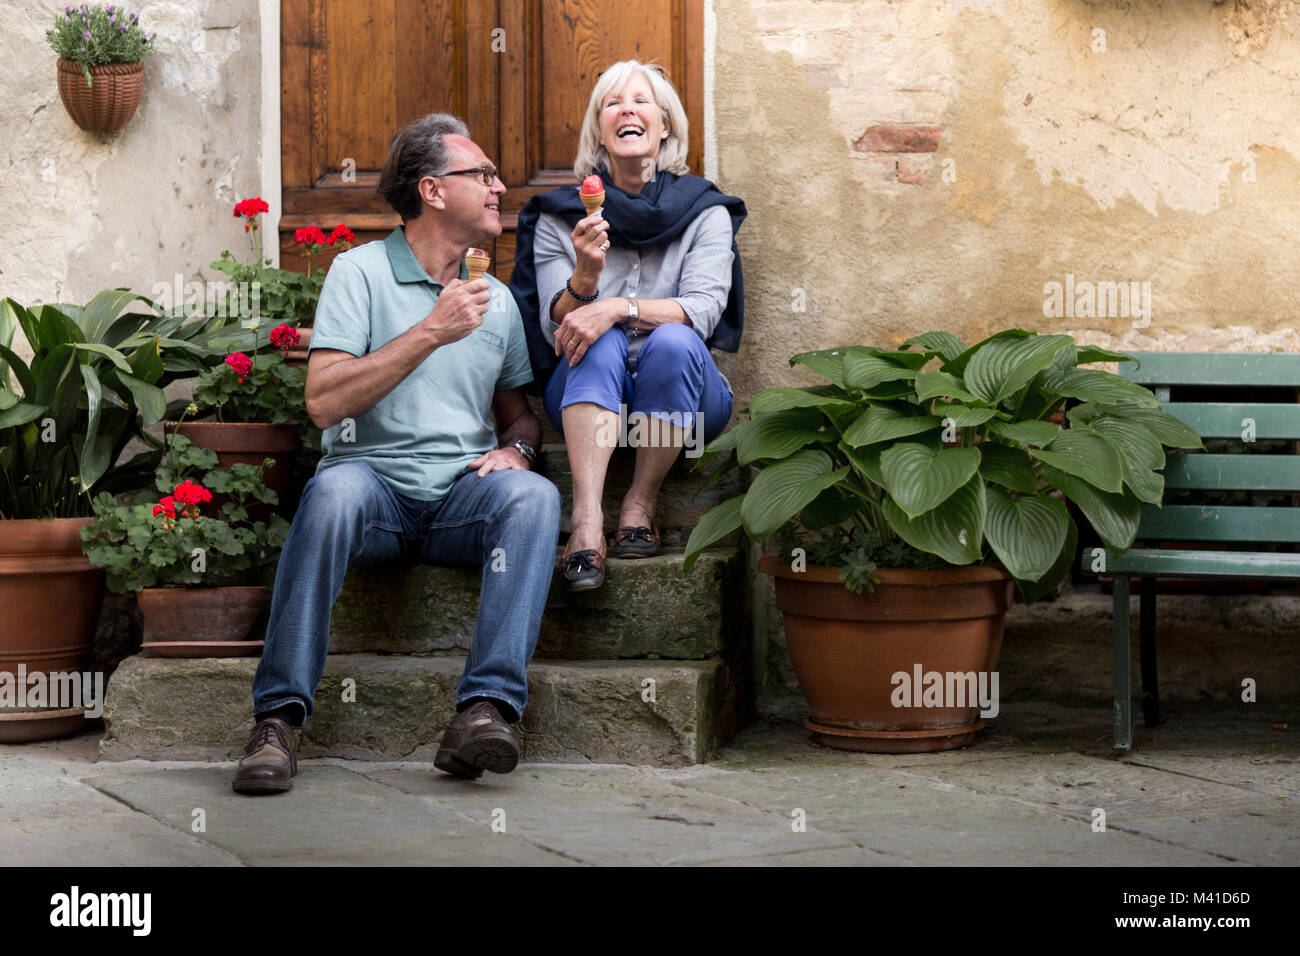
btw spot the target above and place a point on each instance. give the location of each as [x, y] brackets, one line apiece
[420, 436]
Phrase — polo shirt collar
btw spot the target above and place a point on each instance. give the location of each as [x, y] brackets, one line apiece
[407, 268]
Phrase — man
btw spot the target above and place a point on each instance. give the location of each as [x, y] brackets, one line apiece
[407, 361]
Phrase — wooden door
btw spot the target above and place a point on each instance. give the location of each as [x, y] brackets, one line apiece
[519, 72]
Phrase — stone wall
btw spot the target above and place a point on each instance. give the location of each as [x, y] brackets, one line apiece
[87, 212]
[935, 163]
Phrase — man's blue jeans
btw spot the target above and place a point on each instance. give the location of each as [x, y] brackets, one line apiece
[349, 515]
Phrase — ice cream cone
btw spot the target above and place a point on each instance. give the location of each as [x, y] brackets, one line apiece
[593, 202]
[477, 261]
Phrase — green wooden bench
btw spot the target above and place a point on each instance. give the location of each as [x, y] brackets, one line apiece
[1228, 523]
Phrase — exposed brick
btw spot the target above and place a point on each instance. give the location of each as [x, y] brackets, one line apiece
[899, 139]
[910, 170]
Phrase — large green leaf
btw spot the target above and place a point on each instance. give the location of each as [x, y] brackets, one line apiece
[26, 381]
[1027, 433]
[1165, 427]
[957, 365]
[865, 371]
[1031, 591]
[779, 399]
[783, 489]
[1092, 385]
[945, 343]
[21, 414]
[941, 385]
[150, 399]
[146, 361]
[718, 522]
[921, 478]
[101, 311]
[1140, 454]
[831, 507]
[913, 360]
[884, 423]
[963, 416]
[954, 530]
[866, 460]
[1025, 531]
[1085, 454]
[778, 435]
[1004, 366]
[1114, 517]
[94, 453]
[828, 363]
[1009, 467]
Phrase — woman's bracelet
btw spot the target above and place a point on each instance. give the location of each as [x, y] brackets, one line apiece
[581, 298]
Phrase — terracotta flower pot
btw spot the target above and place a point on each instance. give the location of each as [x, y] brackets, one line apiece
[198, 616]
[250, 444]
[298, 356]
[847, 648]
[50, 598]
[109, 102]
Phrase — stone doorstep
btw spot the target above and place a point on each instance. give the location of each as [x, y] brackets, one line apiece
[578, 712]
[647, 607]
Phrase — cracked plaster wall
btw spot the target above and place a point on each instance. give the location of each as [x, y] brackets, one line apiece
[933, 163]
[87, 212]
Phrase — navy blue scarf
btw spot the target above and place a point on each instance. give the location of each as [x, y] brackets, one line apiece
[654, 217]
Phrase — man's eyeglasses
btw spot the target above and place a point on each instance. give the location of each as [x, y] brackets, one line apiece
[486, 173]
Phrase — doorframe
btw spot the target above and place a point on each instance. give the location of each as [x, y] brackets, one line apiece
[268, 12]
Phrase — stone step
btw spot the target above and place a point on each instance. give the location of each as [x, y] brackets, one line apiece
[578, 712]
[647, 608]
[683, 499]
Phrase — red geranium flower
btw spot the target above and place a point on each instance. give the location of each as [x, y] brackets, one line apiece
[284, 337]
[241, 364]
[251, 207]
[310, 236]
[341, 234]
[189, 493]
[167, 506]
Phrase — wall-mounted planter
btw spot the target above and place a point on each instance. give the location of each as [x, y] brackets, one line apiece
[109, 102]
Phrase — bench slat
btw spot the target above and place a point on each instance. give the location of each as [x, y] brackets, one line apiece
[1213, 368]
[1151, 562]
[1224, 419]
[1219, 523]
[1233, 472]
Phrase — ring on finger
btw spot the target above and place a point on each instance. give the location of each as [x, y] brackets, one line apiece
[604, 245]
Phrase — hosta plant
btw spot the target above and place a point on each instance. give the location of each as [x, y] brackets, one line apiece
[940, 454]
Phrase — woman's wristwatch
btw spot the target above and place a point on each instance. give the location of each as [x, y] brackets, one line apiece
[633, 315]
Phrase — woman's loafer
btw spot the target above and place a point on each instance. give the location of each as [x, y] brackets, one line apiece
[637, 542]
[583, 570]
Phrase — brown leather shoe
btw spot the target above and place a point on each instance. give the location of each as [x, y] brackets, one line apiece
[270, 759]
[637, 541]
[583, 570]
[478, 739]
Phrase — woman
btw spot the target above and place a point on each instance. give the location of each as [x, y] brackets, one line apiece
[622, 306]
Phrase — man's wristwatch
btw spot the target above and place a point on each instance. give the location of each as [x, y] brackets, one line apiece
[524, 449]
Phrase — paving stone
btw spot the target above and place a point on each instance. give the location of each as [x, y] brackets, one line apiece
[48, 818]
[622, 816]
[646, 608]
[578, 711]
[331, 816]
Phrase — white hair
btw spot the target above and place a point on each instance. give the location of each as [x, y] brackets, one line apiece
[672, 150]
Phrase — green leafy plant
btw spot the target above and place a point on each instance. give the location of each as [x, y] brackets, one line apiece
[260, 388]
[170, 542]
[951, 451]
[92, 36]
[94, 382]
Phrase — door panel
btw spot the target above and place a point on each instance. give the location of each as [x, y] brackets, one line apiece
[518, 72]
